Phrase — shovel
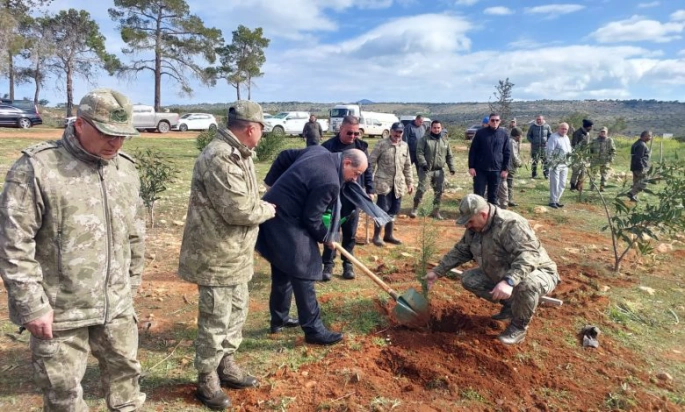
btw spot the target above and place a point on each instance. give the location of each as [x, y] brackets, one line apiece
[411, 307]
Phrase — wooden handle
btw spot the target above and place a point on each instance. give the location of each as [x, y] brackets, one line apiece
[544, 299]
[366, 271]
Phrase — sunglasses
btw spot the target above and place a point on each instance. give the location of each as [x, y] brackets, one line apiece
[495, 120]
[353, 133]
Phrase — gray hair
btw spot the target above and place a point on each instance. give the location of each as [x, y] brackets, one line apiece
[350, 120]
[356, 156]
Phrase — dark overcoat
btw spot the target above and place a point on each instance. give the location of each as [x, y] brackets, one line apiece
[304, 183]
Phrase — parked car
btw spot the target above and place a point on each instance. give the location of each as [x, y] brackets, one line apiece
[471, 131]
[291, 123]
[196, 121]
[19, 113]
[145, 118]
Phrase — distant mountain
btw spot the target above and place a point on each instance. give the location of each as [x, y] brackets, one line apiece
[365, 101]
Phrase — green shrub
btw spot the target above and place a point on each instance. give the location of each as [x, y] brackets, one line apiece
[269, 146]
[156, 171]
[203, 139]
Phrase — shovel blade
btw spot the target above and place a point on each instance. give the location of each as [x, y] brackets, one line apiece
[411, 308]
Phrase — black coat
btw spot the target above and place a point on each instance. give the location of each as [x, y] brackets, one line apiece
[335, 145]
[304, 183]
[490, 150]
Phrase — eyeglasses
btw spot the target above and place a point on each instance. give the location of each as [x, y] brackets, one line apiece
[353, 133]
[495, 120]
[106, 136]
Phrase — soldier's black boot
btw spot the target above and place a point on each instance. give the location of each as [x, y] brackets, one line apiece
[505, 313]
[514, 333]
[377, 236]
[231, 375]
[415, 209]
[209, 392]
[389, 228]
[348, 271]
[327, 273]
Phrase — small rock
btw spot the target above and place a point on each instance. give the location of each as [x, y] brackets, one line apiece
[178, 223]
[374, 258]
[537, 227]
[605, 248]
[604, 288]
[310, 384]
[407, 255]
[540, 210]
[571, 250]
[162, 222]
[305, 373]
[664, 376]
[648, 290]
[664, 248]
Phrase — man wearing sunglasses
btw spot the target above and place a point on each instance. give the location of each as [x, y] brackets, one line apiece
[71, 254]
[489, 157]
[349, 137]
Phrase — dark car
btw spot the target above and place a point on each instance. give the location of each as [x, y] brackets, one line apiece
[471, 131]
[19, 113]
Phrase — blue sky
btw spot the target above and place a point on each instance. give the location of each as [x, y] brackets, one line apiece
[432, 51]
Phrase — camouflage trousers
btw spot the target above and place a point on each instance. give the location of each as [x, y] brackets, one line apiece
[437, 181]
[577, 174]
[525, 296]
[603, 169]
[60, 363]
[222, 314]
[505, 191]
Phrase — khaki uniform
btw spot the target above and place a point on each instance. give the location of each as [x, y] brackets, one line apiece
[602, 152]
[505, 191]
[217, 252]
[391, 165]
[72, 241]
[432, 154]
[507, 247]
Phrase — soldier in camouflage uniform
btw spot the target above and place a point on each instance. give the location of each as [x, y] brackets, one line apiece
[513, 267]
[505, 191]
[217, 251]
[71, 255]
[391, 165]
[602, 152]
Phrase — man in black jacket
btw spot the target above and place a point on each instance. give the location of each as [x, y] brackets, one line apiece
[312, 132]
[489, 158]
[413, 132]
[639, 164]
[347, 138]
[303, 184]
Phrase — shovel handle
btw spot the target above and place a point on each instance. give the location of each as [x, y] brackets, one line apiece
[366, 270]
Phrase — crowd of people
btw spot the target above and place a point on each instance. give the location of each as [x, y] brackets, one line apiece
[72, 234]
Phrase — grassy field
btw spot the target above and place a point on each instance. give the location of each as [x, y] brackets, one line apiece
[648, 325]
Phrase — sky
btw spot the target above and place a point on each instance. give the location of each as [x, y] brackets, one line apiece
[429, 51]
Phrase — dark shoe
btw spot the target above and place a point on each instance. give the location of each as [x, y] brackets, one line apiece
[512, 335]
[503, 314]
[231, 375]
[289, 323]
[209, 392]
[327, 273]
[512, 204]
[413, 212]
[377, 236]
[632, 197]
[553, 205]
[573, 187]
[324, 338]
[560, 205]
[389, 228]
[348, 271]
[601, 188]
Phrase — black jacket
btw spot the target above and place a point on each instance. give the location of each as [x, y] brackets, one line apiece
[312, 133]
[335, 145]
[303, 185]
[639, 157]
[490, 150]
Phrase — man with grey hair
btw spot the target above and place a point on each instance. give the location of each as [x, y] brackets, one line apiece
[538, 133]
[348, 138]
[558, 152]
[72, 228]
[514, 269]
[303, 185]
[217, 251]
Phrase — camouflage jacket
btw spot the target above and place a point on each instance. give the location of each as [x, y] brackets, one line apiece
[602, 151]
[72, 230]
[224, 214]
[507, 247]
[515, 159]
[391, 165]
[434, 152]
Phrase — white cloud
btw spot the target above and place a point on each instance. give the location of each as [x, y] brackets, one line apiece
[498, 11]
[638, 29]
[466, 2]
[555, 9]
[681, 53]
[678, 15]
[648, 5]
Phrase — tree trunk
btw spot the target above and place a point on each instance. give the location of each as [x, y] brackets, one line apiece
[237, 90]
[10, 62]
[158, 62]
[36, 95]
[249, 88]
[70, 94]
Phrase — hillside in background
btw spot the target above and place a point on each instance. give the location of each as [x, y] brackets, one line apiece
[660, 117]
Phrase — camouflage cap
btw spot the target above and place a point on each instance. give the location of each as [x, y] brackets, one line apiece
[247, 111]
[469, 206]
[109, 111]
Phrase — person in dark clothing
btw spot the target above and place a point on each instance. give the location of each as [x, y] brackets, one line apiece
[581, 138]
[312, 132]
[347, 138]
[538, 133]
[639, 164]
[412, 133]
[489, 158]
[303, 184]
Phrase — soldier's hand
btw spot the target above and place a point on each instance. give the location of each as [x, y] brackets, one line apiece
[502, 291]
[452, 172]
[41, 328]
[430, 279]
[329, 245]
[472, 172]
[410, 189]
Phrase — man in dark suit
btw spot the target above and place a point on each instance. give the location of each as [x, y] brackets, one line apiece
[348, 138]
[489, 158]
[304, 183]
